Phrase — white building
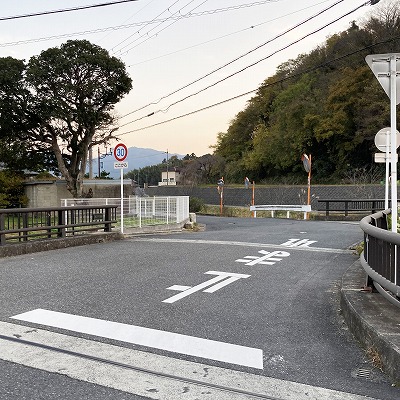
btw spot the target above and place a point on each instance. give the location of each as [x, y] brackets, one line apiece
[170, 177]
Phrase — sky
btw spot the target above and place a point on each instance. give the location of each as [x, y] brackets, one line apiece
[184, 56]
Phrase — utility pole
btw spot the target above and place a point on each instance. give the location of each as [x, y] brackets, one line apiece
[167, 169]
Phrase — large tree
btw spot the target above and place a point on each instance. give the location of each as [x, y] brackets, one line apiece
[76, 87]
[16, 153]
[70, 93]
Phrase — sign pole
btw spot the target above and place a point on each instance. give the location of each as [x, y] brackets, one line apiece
[120, 154]
[393, 171]
[387, 170]
[307, 166]
[252, 199]
[122, 200]
[384, 67]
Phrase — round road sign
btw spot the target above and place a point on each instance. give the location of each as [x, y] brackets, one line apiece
[380, 139]
[120, 152]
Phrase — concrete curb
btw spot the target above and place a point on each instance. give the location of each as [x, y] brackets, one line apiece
[373, 321]
[36, 246]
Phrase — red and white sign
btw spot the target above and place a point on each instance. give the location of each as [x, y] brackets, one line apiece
[120, 152]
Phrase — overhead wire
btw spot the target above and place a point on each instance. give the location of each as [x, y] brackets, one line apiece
[252, 91]
[148, 23]
[155, 34]
[227, 35]
[237, 58]
[208, 12]
[286, 78]
[128, 19]
[127, 26]
[63, 10]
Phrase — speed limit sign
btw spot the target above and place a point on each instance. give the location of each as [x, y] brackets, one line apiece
[120, 152]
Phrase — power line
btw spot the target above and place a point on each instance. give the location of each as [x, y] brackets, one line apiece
[126, 20]
[155, 34]
[227, 35]
[268, 85]
[111, 3]
[127, 26]
[245, 68]
[148, 23]
[190, 13]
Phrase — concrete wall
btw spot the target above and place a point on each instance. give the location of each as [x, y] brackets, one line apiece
[49, 194]
[239, 196]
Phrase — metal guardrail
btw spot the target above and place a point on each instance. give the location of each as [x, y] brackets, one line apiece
[351, 205]
[23, 224]
[380, 256]
[281, 207]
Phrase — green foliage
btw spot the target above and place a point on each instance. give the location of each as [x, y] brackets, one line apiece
[60, 103]
[12, 190]
[149, 175]
[195, 204]
[326, 103]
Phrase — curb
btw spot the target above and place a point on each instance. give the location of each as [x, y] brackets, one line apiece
[36, 246]
[373, 321]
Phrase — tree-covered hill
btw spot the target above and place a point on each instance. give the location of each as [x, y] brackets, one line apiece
[326, 103]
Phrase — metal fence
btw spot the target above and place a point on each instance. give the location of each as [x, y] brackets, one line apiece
[25, 224]
[142, 211]
[380, 256]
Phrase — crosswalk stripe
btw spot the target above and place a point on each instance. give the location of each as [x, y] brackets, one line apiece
[140, 383]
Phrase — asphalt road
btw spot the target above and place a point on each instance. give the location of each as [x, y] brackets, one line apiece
[245, 303]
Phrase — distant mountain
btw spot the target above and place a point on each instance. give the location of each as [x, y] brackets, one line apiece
[137, 158]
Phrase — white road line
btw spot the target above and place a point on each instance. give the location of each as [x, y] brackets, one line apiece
[142, 384]
[245, 244]
[169, 341]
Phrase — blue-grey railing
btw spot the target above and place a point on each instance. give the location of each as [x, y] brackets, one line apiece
[24, 224]
[380, 257]
[349, 206]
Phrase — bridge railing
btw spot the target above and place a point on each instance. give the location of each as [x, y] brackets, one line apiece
[380, 258]
[24, 224]
[347, 206]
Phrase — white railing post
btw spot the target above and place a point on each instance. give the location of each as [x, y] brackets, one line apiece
[140, 211]
[167, 210]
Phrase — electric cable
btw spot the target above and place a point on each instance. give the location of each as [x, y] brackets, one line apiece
[227, 35]
[155, 34]
[268, 85]
[148, 23]
[190, 13]
[247, 67]
[127, 26]
[110, 3]
[234, 60]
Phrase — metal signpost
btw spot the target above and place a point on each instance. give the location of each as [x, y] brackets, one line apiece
[120, 154]
[386, 68]
[307, 166]
[382, 142]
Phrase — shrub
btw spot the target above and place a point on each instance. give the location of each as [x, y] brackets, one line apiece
[195, 204]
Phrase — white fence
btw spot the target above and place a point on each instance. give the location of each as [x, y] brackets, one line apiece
[142, 211]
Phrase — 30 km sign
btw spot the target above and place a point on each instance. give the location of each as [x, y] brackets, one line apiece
[120, 152]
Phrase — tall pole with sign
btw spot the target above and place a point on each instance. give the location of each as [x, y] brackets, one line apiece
[120, 154]
[307, 166]
[386, 68]
[383, 143]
